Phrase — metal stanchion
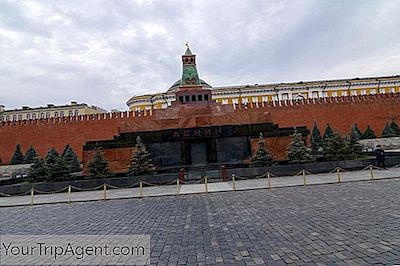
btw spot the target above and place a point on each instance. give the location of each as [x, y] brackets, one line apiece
[104, 192]
[205, 183]
[32, 192]
[304, 178]
[69, 194]
[177, 186]
[269, 180]
[141, 188]
[339, 179]
[371, 172]
[234, 182]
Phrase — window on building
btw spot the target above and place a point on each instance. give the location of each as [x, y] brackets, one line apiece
[224, 101]
[314, 94]
[34, 116]
[344, 93]
[354, 93]
[56, 114]
[382, 91]
[391, 90]
[187, 98]
[41, 115]
[334, 93]
[285, 96]
[3, 118]
[324, 94]
[193, 98]
[19, 117]
[14, 117]
[372, 91]
[265, 98]
[274, 97]
[61, 113]
[48, 115]
[7, 118]
[180, 100]
[70, 113]
[200, 97]
[76, 112]
[205, 97]
[28, 116]
[364, 92]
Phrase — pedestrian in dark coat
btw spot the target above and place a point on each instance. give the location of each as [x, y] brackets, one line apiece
[380, 156]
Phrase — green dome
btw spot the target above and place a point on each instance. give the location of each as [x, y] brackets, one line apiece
[176, 85]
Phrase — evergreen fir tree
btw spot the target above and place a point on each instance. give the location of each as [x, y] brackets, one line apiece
[69, 156]
[18, 157]
[297, 150]
[355, 132]
[395, 127]
[368, 134]
[98, 166]
[338, 148]
[262, 157]
[328, 133]
[38, 170]
[354, 147]
[388, 132]
[316, 139]
[141, 164]
[30, 155]
[67, 147]
[56, 166]
[359, 133]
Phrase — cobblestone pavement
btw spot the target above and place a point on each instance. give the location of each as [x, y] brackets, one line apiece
[354, 223]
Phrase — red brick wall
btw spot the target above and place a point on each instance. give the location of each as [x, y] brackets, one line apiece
[339, 112]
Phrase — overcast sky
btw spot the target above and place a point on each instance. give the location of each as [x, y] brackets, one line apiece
[104, 52]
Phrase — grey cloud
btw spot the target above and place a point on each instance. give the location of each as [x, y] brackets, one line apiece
[103, 52]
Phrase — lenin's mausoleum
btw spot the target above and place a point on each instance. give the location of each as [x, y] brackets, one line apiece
[194, 123]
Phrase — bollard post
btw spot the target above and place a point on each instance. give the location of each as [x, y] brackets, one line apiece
[141, 188]
[234, 182]
[69, 194]
[32, 192]
[104, 192]
[371, 172]
[177, 187]
[304, 178]
[269, 180]
[338, 175]
[205, 183]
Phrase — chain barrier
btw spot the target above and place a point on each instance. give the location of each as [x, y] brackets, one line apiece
[338, 168]
[49, 192]
[205, 180]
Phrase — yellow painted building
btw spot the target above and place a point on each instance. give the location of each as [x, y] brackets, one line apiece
[49, 111]
[257, 94]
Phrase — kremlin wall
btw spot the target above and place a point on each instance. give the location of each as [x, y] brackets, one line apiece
[277, 118]
[339, 112]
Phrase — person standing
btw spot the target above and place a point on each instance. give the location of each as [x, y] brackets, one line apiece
[380, 156]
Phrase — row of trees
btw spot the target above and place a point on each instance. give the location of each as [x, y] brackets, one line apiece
[19, 158]
[390, 130]
[54, 165]
[332, 146]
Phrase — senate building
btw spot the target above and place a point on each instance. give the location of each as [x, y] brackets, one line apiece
[258, 94]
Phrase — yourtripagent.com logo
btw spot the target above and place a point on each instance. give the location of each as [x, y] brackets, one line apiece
[74, 250]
